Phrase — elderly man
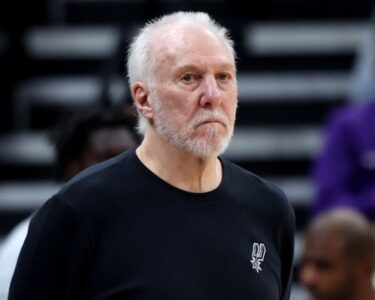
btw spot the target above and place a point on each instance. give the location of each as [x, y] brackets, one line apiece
[170, 220]
[338, 259]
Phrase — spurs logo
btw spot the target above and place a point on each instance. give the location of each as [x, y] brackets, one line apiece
[259, 251]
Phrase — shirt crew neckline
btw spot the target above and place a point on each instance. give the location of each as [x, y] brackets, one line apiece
[194, 197]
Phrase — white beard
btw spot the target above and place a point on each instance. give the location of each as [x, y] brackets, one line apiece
[211, 143]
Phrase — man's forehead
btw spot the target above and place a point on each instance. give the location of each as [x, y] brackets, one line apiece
[220, 65]
[323, 245]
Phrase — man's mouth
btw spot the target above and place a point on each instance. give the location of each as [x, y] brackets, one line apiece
[212, 121]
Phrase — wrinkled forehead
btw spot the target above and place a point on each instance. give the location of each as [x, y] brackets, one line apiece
[169, 42]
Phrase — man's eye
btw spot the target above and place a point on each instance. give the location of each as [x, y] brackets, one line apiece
[187, 77]
[223, 76]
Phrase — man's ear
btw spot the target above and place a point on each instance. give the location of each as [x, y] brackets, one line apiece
[142, 100]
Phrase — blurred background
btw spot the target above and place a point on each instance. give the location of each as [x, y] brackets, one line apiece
[297, 61]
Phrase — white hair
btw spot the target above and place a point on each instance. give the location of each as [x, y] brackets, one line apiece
[141, 61]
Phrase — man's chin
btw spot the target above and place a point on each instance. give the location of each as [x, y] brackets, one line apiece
[206, 148]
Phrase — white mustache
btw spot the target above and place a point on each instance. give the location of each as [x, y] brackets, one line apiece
[209, 117]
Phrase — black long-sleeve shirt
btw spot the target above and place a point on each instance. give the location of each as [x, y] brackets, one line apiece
[117, 231]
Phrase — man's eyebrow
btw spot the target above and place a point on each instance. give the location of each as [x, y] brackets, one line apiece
[188, 67]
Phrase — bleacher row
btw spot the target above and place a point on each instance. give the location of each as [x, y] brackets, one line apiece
[294, 67]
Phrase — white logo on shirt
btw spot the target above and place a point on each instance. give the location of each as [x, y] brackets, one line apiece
[259, 251]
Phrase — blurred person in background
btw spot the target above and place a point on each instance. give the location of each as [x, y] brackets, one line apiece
[344, 171]
[93, 136]
[87, 137]
[172, 219]
[338, 257]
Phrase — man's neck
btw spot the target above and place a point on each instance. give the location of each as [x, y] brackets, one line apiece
[179, 168]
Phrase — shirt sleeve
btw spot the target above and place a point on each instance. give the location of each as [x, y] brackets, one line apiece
[55, 259]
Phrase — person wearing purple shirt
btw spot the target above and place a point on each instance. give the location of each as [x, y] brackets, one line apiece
[344, 171]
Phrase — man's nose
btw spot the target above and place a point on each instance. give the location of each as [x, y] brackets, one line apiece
[211, 93]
